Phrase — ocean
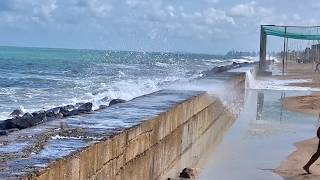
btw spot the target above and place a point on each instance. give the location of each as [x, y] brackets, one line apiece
[32, 79]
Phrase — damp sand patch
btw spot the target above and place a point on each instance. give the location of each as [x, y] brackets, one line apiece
[291, 168]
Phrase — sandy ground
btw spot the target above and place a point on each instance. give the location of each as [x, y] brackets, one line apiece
[304, 104]
[291, 169]
[301, 71]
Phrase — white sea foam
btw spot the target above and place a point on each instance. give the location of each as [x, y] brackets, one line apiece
[282, 85]
[98, 81]
[276, 84]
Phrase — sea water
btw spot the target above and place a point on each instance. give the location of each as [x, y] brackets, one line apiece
[32, 79]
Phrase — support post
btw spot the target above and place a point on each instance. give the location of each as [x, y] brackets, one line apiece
[263, 49]
[284, 49]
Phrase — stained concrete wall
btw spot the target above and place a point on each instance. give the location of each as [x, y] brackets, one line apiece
[146, 151]
[155, 148]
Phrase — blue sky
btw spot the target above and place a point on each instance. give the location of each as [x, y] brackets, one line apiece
[201, 26]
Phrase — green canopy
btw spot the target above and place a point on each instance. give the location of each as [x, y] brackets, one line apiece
[293, 32]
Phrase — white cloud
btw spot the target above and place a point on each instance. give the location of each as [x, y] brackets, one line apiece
[213, 16]
[244, 10]
[167, 20]
[98, 8]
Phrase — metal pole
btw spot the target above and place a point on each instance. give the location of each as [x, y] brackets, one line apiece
[287, 52]
[263, 49]
[284, 48]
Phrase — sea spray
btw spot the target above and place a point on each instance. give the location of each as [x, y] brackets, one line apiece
[250, 78]
[60, 77]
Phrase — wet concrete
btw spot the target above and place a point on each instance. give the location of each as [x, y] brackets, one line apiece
[29, 151]
[261, 137]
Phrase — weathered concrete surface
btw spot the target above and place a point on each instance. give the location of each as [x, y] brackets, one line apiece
[140, 139]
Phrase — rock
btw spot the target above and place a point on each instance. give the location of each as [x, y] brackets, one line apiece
[69, 107]
[65, 110]
[56, 110]
[86, 107]
[77, 105]
[3, 125]
[27, 120]
[6, 132]
[54, 113]
[16, 113]
[28, 115]
[116, 101]
[188, 173]
[37, 113]
[3, 132]
[105, 99]
[103, 106]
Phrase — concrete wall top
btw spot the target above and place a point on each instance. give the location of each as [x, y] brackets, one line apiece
[33, 149]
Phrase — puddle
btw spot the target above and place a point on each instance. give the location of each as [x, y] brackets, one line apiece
[262, 136]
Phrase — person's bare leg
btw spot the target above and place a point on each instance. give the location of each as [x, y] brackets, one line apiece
[313, 159]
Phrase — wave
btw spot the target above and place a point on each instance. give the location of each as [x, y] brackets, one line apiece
[100, 83]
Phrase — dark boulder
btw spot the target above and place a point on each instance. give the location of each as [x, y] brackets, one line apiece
[65, 110]
[54, 113]
[29, 120]
[116, 101]
[37, 113]
[16, 113]
[105, 99]
[4, 124]
[73, 113]
[28, 115]
[69, 107]
[86, 107]
[6, 132]
[103, 106]
[77, 105]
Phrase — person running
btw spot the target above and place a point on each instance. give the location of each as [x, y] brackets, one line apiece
[315, 156]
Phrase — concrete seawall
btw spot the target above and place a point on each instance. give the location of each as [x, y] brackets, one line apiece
[150, 137]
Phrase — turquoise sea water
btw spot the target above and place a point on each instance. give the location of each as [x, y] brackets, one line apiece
[37, 78]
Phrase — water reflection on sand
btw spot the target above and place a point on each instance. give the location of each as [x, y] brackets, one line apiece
[262, 136]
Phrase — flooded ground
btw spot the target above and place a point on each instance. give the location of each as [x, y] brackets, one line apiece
[262, 136]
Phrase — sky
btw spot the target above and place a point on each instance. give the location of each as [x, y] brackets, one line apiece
[199, 26]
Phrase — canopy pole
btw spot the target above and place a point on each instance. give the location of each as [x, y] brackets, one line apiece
[263, 49]
[287, 52]
[284, 49]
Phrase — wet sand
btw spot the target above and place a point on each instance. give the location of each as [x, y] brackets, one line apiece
[291, 168]
[304, 104]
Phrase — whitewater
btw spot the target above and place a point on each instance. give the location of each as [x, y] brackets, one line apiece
[32, 79]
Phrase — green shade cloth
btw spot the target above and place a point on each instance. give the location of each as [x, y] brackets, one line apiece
[293, 32]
